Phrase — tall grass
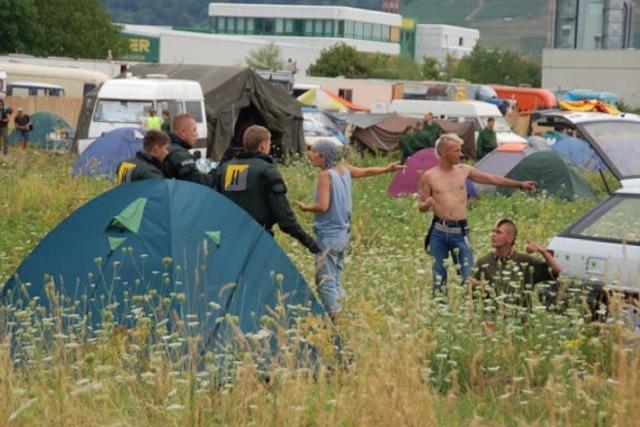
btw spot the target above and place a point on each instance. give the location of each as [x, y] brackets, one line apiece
[408, 360]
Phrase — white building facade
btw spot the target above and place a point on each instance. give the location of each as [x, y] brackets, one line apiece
[309, 26]
[438, 41]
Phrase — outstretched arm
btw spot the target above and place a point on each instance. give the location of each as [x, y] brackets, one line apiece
[487, 178]
[357, 172]
[548, 258]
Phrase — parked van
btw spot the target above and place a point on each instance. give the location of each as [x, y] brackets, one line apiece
[75, 81]
[458, 111]
[3, 84]
[22, 89]
[528, 99]
[127, 102]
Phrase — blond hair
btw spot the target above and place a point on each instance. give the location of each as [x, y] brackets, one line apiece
[254, 136]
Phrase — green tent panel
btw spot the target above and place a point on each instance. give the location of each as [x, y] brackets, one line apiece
[44, 123]
[552, 172]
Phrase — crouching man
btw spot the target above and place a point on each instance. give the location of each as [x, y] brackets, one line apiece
[147, 164]
[504, 267]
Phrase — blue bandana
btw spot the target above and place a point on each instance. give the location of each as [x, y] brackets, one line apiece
[328, 150]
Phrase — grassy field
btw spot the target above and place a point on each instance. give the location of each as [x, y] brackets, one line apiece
[413, 361]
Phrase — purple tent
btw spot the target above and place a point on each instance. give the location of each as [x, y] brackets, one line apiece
[406, 181]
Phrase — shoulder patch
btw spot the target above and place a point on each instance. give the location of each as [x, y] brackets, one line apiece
[235, 177]
[124, 172]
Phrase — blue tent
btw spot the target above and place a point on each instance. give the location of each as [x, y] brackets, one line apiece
[102, 157]
[166, 250]
[579, 152]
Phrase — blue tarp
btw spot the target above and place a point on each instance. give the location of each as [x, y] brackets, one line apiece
[583, 94]
[102, 157]
[166, 250]
[579, 152]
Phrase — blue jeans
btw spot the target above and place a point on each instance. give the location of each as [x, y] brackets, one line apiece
[443, 243]
[329, 265]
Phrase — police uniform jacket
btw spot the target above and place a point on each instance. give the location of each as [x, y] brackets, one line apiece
[142, 166]
[180, 164]
[253, 182]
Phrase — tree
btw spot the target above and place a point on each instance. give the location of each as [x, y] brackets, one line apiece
[265, 57]
[431, 68]
[339, 60]
[498, 66]
[401, 67]
[76, 28]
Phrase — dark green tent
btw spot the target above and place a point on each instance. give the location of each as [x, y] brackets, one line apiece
[553, 173]
[49, 131]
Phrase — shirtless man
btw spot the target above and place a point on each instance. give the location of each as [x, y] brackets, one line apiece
[443, 189]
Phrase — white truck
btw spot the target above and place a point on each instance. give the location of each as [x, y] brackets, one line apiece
[127, 102]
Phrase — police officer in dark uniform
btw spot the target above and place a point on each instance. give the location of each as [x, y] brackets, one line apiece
[180, 163]
[147, 164]
[253, 182]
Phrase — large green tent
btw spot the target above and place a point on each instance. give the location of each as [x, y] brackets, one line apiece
[552, 172]
[49, 131]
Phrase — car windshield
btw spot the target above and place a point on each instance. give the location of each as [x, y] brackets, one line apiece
[118, 111]
[500, 125]
[620, 142]
[616, 219]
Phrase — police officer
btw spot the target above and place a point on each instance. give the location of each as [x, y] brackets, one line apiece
[147, 164]
[180, 163]
[253, 182]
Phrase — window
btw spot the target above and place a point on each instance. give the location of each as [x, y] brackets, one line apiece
[359, 30]
[317, 28]
[346, 94]
[461, 41]
[349, 29]
[121, 111]
[195, 109]
[308, 27]
[279, 26]
[616, 219]
[620, 142]
[367, 31]
[240, 25]
[298, 27]
[340, 32]
[328, 28]
[250, 25]
[174, 107]
[231, 25]
[220, 24]
[265, 26]
[377, 32]
[288, 26]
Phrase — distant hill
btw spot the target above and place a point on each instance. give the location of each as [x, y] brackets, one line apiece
[519, 25]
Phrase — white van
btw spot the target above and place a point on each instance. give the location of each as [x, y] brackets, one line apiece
[457, 111]
[127, 102]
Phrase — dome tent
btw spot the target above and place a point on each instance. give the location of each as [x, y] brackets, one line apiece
[101, 158]
[164, 249]
[553, 173]
[44, 124]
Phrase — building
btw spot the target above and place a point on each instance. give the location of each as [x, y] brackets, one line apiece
[596, 69]
[440, 41]
[309, 26]
[592, 24]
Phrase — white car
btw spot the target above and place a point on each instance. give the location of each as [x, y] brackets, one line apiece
[603, 247]
[314, 131]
